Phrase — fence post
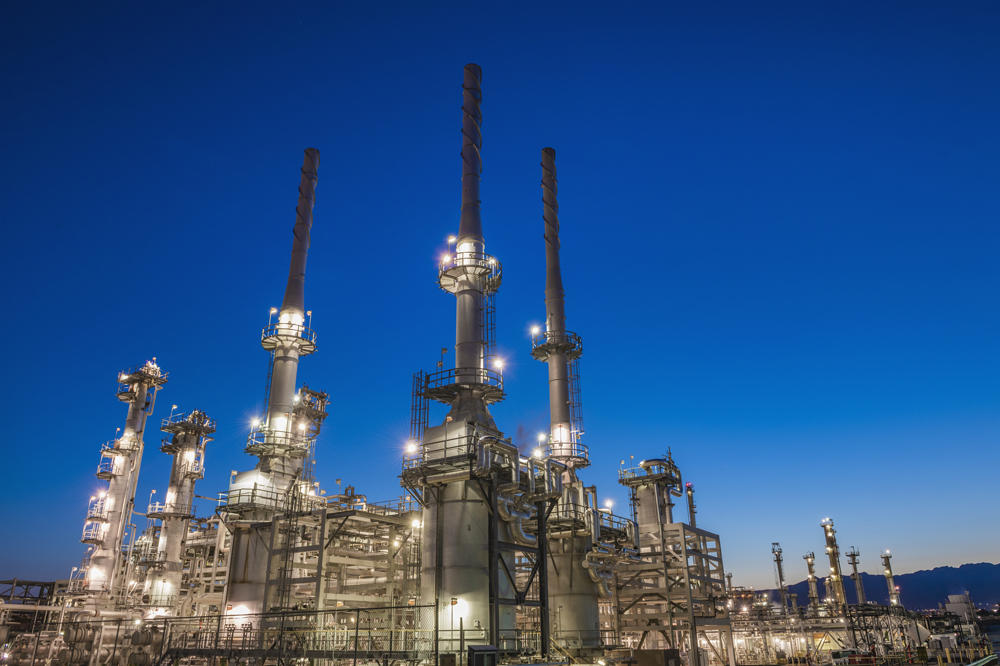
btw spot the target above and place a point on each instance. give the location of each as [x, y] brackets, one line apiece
[357, 623]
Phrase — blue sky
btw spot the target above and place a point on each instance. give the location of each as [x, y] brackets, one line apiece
[780, 235]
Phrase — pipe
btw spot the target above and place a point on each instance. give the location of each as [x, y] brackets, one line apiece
[555, 310]
[469, 289]
[294, 300]
[447, 477]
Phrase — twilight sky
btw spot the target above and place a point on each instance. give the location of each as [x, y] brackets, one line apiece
[779, 228]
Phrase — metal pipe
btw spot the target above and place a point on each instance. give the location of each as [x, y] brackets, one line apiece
[470, 242]
[555, 311]
[294, 300]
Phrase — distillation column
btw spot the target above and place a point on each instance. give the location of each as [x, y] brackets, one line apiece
[893, 590]
[455, 543]
[810, 559]
[111, 511]
[859, 585]
[187, 446]
[782, 589]
[836, 578]
[281, 441]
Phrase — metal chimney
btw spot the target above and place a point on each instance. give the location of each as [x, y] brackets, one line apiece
[294, 300]
[556, 346]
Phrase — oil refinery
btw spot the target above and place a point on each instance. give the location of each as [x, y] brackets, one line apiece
[491, 555]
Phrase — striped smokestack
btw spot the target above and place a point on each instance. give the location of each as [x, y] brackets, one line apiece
[294, 301]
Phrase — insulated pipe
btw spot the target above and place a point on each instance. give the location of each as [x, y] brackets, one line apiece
[469, 288]
[555, 310]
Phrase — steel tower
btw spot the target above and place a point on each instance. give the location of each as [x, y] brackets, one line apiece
[893, 590]
[284, 438]
[859, 585]
[478, 494]
[810, 559]
[191, 432]
[110, 511]
[836, 578]
[782, 588]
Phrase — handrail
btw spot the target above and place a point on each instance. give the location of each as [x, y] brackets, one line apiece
[195, 417]
[288, 330]
[486, 377]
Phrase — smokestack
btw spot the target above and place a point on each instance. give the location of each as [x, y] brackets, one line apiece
[470, 246]
[555, 307]
[555, 315]
[470, 227]
[294, 301]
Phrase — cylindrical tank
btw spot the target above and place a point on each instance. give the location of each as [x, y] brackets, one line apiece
[457, 516]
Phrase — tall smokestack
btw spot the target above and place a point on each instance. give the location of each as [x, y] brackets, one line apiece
[294, 300]
[558, 347]
[555, 310]
[470, 227]
[470, 245]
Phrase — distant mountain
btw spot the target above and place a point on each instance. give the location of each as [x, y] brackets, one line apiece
[918, 590]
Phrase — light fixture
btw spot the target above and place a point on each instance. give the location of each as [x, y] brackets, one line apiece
[535, 330]
[498, 364]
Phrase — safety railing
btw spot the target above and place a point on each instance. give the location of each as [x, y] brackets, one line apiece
[196, 419]
[266, 440]
[120, 447]
[171, 509]
[98, 509]
[573, 450]
[93, 533]
[284, 332]
[464, 264]
[108, 467]
[237, 499]
[193, 469]
[566, 341]
[460, 447]
[484, 376]
[404, 633]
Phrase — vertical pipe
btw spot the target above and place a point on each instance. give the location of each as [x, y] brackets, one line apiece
[555, 311]
[292, 313]
[469, 290]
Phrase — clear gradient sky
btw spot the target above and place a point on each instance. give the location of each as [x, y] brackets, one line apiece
[780, 244]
